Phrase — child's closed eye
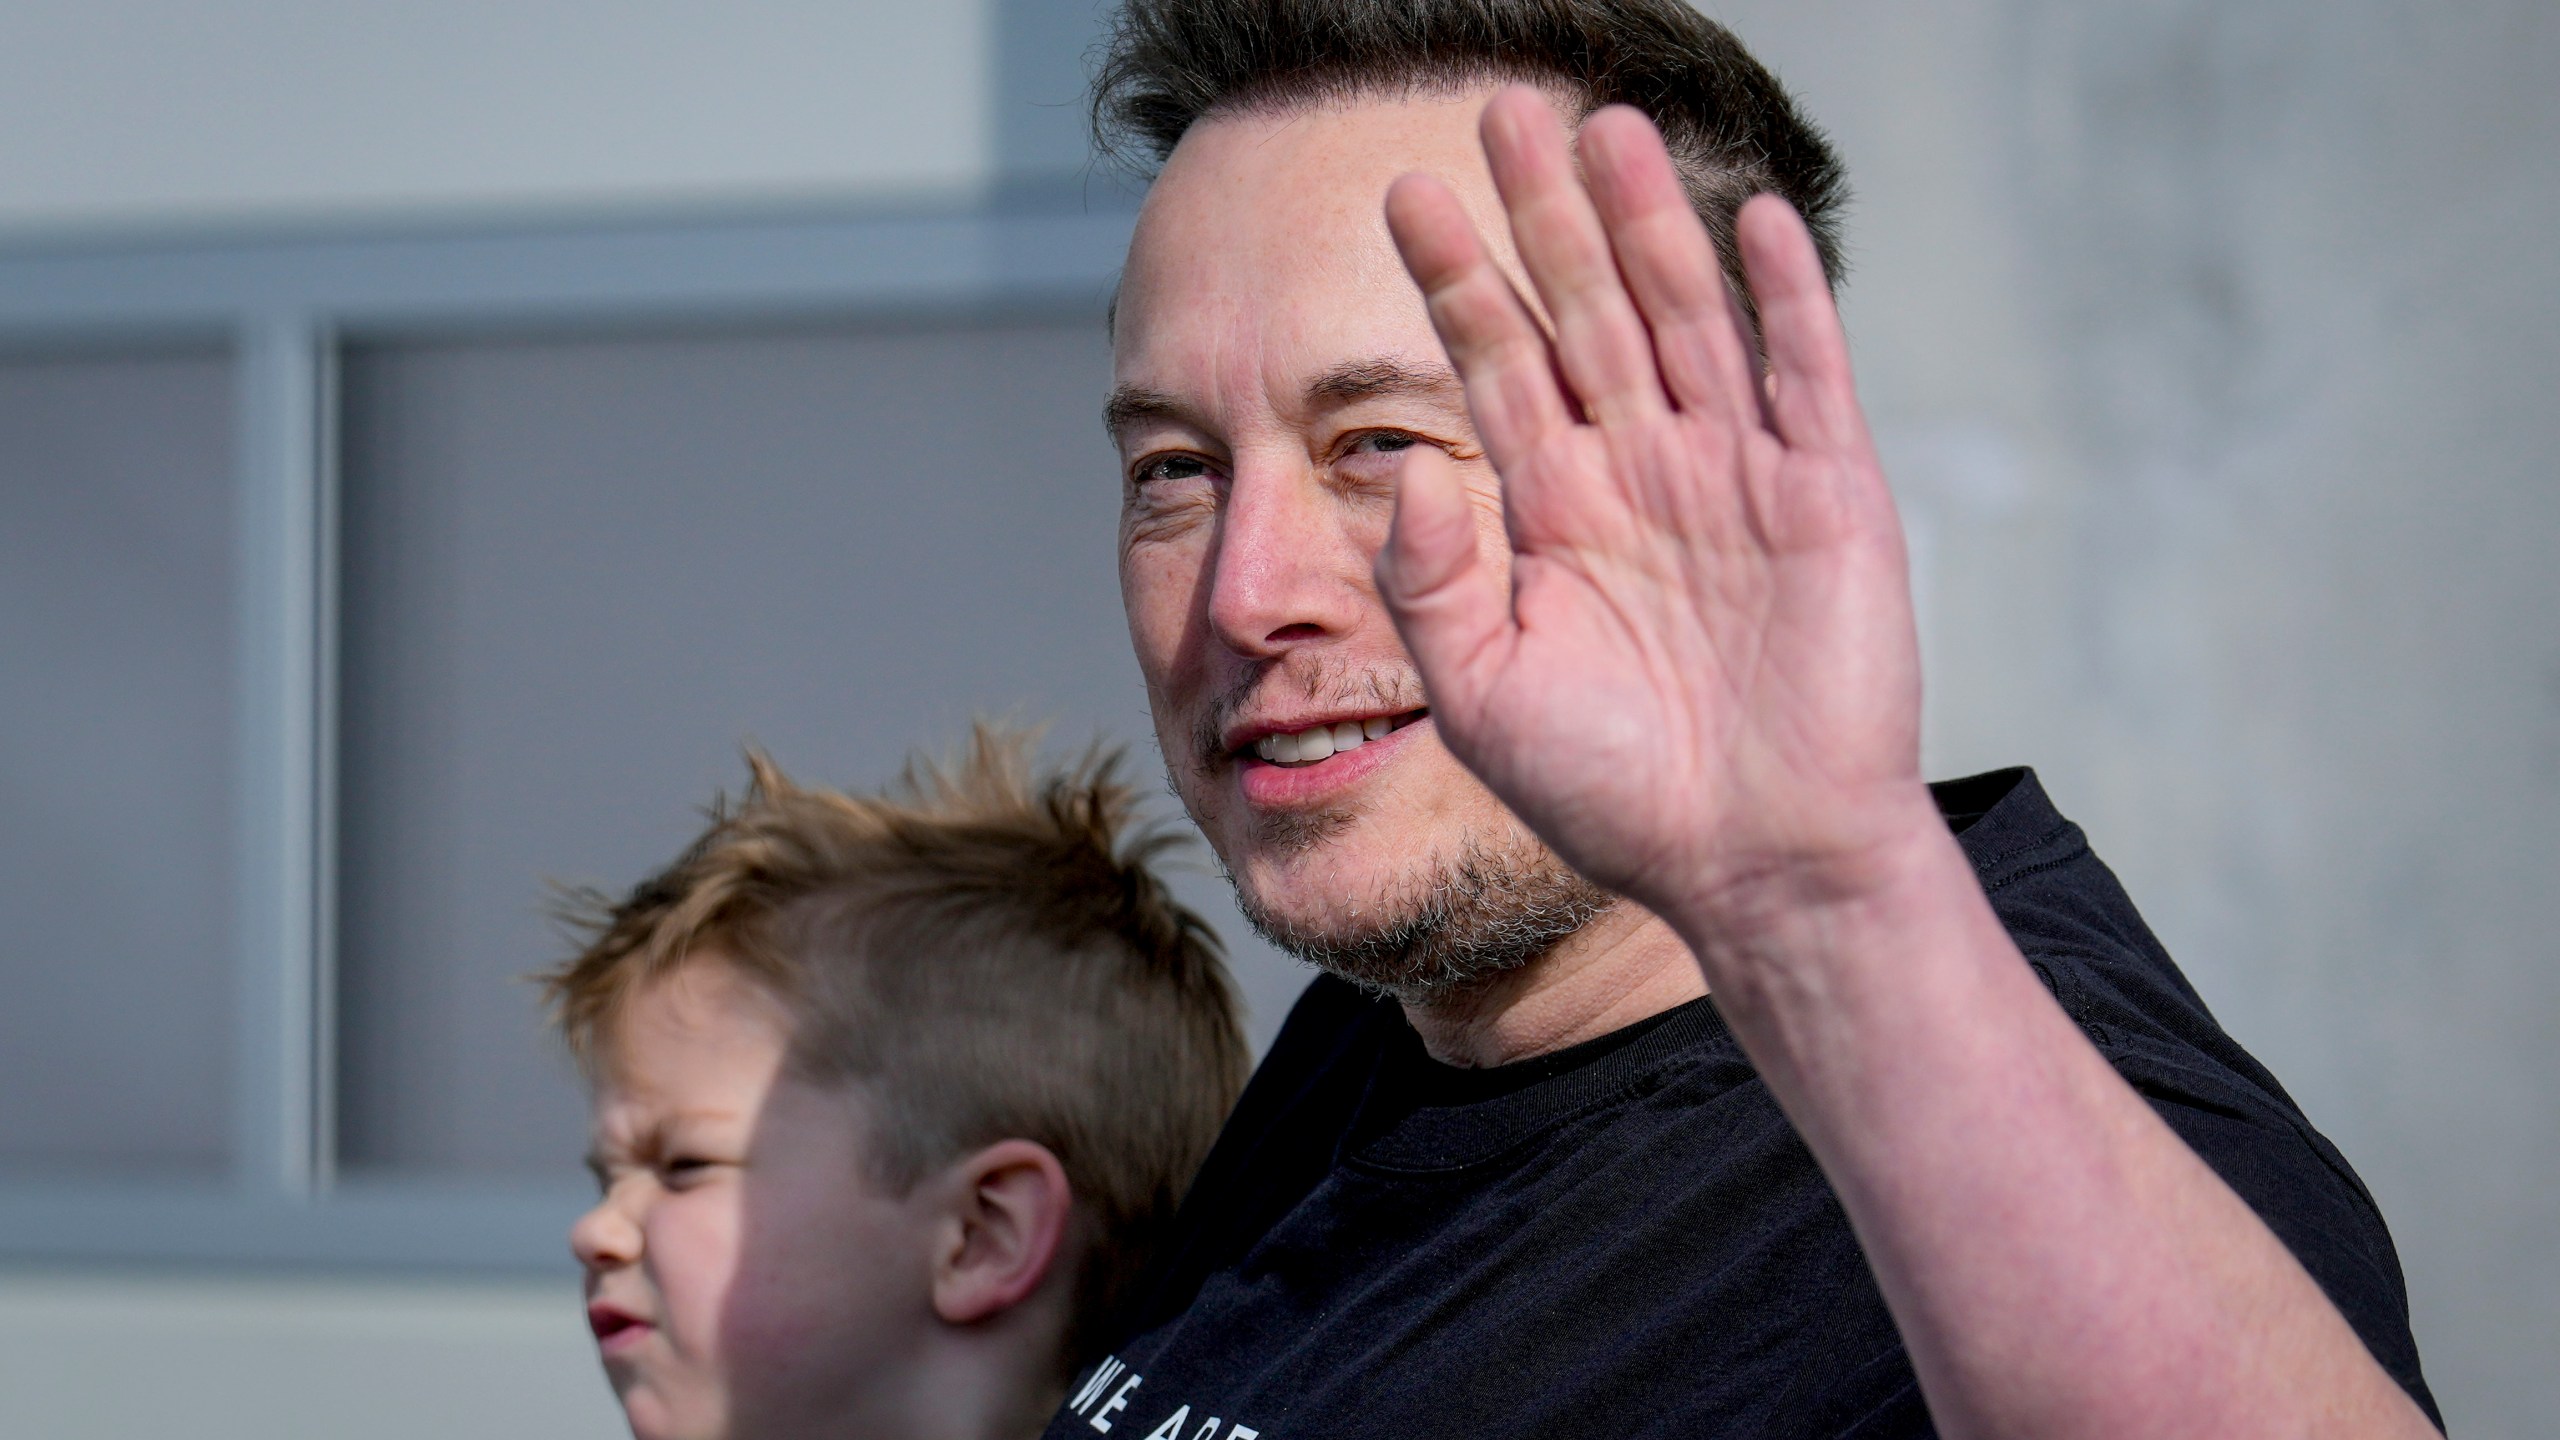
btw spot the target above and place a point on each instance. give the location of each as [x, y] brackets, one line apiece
[678, 1171]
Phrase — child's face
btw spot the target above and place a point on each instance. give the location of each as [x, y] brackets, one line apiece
[745, 1276]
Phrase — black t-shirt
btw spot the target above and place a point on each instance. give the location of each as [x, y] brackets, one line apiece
[1627, 1238]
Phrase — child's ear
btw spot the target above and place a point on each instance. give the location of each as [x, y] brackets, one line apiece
[1006, 1222]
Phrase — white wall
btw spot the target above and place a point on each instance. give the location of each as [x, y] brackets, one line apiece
[282, 1358]
[115, 113]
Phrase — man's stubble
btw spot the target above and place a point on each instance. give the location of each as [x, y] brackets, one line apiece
[1445, 925]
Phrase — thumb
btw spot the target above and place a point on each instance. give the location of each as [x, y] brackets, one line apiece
[1453, 612]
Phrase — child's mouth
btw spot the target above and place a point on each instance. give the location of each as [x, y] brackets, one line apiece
[614, 1326]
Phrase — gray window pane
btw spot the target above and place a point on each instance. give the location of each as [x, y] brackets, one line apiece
[579, 573]
[116, 652]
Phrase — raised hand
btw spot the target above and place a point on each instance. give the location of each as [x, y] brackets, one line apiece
[1701, 686]
[1702, 675]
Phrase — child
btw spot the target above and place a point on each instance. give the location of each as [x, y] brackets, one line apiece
[892, 1096]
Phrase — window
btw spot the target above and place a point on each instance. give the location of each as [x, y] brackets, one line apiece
[116, 580]
[462, 562]
[579, 572]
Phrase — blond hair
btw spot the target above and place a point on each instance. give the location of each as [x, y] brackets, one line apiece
[989, 952]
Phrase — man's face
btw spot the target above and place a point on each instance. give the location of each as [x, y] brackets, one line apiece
[745, 1273]
[1272, 361]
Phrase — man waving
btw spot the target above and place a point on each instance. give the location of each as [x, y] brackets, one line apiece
[1525, 622]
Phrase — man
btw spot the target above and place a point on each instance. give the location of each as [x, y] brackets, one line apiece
[1525, 622]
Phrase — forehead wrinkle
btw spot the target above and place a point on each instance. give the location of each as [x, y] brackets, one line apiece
[632, 1114]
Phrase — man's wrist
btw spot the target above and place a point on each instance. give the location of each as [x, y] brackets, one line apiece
[1795, 929]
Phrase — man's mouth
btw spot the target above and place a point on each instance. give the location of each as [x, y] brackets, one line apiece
[1315, 744]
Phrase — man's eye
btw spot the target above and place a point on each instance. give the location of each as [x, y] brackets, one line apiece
[1387, 441]
[680, 1168]
[1172, 467]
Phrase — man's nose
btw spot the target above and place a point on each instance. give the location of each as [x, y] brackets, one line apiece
[1288, 569]
[605, 1238]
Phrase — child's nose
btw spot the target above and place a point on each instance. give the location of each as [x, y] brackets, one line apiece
[604, 1237]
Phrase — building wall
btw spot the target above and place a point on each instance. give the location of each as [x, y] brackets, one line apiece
[108, 1357]
[153, 113]
[2211, 348]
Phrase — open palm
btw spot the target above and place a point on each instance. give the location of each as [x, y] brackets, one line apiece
[1702, 672]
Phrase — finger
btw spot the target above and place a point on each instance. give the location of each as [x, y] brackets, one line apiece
[1447, 603]
[1814, 401]
[1601, 341]
[1670, 265]
[1501, 354]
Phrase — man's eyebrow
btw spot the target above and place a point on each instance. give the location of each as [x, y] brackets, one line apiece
[1130, 404]
[1354, 380]
[1369, 379]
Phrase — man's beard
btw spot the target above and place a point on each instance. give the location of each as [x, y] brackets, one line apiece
[1450, 929]
[1438, 931]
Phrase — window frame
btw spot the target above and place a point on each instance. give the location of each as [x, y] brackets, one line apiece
[288, 306]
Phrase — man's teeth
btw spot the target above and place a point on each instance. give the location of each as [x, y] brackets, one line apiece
[1321, 742]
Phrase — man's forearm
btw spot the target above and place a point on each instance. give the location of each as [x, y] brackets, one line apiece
[2058, 1261]
[1701, 669]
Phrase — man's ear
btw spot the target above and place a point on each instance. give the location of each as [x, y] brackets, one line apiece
[1004, 1223]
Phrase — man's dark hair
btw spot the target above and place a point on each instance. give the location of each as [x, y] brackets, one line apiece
[1732, 129]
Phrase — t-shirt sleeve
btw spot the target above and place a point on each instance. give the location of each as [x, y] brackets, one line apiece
[2300, 1186]
[2084, 939]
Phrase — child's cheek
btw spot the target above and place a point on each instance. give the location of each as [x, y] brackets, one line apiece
[695, 1267]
